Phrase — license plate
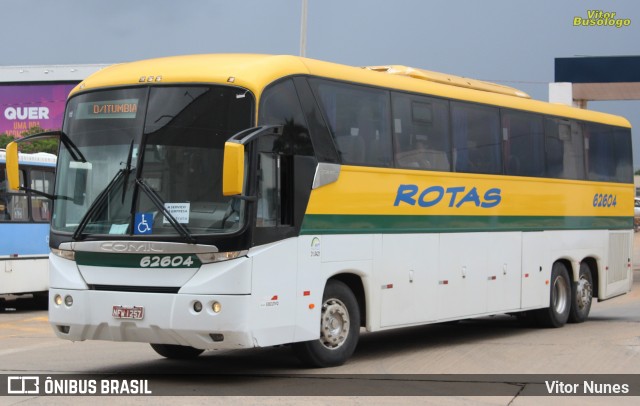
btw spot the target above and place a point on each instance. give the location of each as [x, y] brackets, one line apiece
[128, 312]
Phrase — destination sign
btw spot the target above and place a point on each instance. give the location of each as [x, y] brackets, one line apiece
[125, 108]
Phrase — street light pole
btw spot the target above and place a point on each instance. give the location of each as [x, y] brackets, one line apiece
[303, 29]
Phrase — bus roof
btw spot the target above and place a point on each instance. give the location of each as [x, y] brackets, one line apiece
[255, 72]
[38, 159]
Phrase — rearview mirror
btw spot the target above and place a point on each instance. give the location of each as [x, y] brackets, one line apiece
[233, 169]
[13, 173]
[233, 166]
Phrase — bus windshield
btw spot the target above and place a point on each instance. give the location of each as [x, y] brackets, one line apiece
[150, 161]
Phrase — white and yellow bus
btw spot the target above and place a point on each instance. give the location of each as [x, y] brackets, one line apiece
[235, 201]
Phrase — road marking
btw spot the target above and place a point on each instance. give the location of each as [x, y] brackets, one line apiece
[32, 347]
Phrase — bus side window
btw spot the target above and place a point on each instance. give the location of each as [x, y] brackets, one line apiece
[279, 105]
[41, 206]
[609, 152]
[359, 120]
[523, 142]
[15, 204]
[564, 147]
[268, 189]
[476, 138]
[421, 132]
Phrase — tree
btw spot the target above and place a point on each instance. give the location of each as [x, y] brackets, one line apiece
[49, 145]
[4, 140]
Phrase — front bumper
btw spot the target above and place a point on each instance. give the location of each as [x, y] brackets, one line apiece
[168, 318]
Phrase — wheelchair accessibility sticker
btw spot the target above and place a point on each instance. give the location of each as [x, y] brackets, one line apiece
[143, 223]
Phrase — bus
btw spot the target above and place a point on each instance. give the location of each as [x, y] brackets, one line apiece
[234, 201]
[24, 229]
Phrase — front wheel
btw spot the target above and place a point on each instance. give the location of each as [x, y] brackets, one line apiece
[176, 351]
[339, 329]
[582, 295]
[557, 314]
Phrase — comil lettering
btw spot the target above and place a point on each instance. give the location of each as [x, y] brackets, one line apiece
[26, 113]
[456, 196]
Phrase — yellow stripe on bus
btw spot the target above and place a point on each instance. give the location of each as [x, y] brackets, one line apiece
[384, 191]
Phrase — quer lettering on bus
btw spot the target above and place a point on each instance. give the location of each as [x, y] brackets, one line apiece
[456, 196]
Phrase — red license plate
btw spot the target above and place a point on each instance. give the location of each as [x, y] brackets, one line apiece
[128, 312]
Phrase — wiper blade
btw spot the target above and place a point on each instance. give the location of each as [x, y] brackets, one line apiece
[97, 204]
[74, 151]
[159, 203]
[128, 169]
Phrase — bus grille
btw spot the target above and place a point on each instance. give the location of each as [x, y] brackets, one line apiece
[141, 289]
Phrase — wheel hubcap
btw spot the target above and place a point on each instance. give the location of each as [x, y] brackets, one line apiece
[561, 297]
[335, 324]
[584, 293]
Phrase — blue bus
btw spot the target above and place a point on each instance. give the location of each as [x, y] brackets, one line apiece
[24, 229]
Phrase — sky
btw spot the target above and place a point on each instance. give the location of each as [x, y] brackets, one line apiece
[513, 42]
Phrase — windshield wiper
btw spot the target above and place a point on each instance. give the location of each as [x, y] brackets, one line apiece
[128, 169]
[98, 204]
[74, 151]
[159, 203]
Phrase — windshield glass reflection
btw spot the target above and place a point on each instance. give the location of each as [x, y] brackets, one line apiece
[168, 140]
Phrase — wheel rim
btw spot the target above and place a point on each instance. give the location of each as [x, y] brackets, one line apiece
[335, 324]
[561, 297]
[584, 293]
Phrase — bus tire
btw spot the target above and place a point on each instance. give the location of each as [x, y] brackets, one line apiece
[339, 329]
[557, 314]
[581, 295]
[41, 300]
[176, 351]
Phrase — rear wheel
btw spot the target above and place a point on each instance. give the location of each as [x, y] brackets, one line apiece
[557, 314]
[176, 351]
[582, 295]
[339, 329]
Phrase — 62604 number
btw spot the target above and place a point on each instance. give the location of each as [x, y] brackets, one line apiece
[604, 200]
[167, 261]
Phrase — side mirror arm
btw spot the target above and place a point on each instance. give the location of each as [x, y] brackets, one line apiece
[233, 165]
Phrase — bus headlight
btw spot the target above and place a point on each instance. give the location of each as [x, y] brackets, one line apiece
[66, 254]
[57, 299]
[210, 257]
[68, 300]
[216, 307]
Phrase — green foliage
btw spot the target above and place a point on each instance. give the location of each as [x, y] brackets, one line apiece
[50, 145]
[4, 140]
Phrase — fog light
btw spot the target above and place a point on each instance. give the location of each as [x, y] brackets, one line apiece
[68, 300]
[197, 307]
[57, 300]
[64, 329]
[216, 307]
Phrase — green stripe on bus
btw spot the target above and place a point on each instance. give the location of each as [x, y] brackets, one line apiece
[125, 260]
[360, 224]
